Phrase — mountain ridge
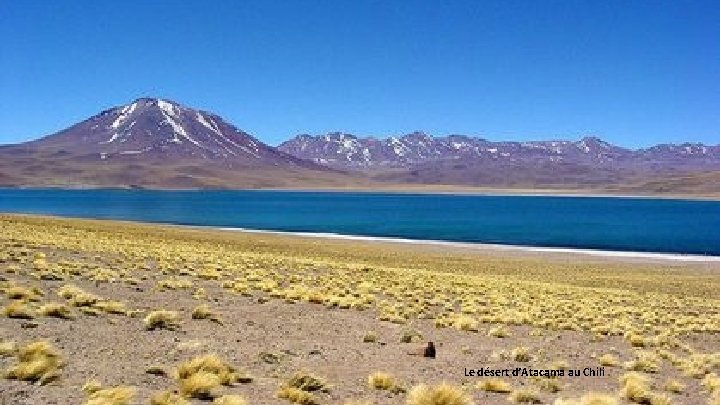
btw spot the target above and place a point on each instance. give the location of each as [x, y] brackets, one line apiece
[343, 150]
[159, 143]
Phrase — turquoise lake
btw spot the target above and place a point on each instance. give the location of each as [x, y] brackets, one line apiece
[624, 224]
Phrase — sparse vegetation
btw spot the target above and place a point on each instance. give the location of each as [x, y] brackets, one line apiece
[201, 376]
[161, 319]
[443, 394]
[494, 385]
[648, 318]
[38, 361]
[121, 395]
[297, 396]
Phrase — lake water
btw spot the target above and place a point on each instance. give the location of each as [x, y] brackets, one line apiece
[620, 224]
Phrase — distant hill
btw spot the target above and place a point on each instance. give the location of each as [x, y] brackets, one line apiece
[156, 143]
[589, 163]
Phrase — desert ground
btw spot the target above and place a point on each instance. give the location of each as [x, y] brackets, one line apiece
[112, 313]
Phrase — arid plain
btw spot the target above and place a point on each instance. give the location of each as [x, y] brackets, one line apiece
[104, 312]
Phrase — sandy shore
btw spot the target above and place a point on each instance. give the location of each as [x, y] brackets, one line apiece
[498, 248]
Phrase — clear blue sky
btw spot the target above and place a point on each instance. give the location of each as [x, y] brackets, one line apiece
[635, 72]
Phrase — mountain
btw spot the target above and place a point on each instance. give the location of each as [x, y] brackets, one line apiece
[463, 160]
[156, 143]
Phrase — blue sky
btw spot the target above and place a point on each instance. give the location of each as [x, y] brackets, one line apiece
[633, 72]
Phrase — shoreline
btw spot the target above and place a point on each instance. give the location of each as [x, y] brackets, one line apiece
[404, 189]
[489, 247]
[475, 247]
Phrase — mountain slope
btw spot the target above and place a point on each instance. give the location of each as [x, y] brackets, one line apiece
[418, 158]
[156, 143]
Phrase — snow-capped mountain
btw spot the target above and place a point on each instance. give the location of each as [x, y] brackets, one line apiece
[153, 142]
[346, 151]
[157, 127]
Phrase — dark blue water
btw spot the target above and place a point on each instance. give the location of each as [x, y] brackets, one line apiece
[651, 225]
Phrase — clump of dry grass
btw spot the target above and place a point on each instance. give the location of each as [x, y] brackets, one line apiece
[111, 307]
[22, 293]
[521, 354]
[499, 332]
[410, 336]
[156, 370]
[443, 394]
[91, 386]
[524, 396]
[201, 384]
[204, 312]
[381, 381]
[121, 395]
[551, 385]
[635, 387]
[55, 310]
[497, 385]
[200, 376]
[18, 310]
[297, 396]
[674, 386]
[37, 361]
[305, 381]
[711, 382]
[168, 398]
[609, 360]
[161, 319]
[384, 381]
[466, 323]
[370, 337]
[230, 400]
[7, 348]
[646, 362]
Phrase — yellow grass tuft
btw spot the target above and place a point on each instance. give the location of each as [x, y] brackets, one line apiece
[91, 386]
[201, 385]
[525, 396]
[7, 348]
[443, 394]
[297, 396]
[111, 307]
[121, 395]
[230, 400]
[494, 385]
[18, 310]
[674, 386]
[609, 360]
[521, 354]
[204, 312]
[381, 381]
[168, 398]
[711, 382]
[38, 361]
[200, 376]
[22, 293]
[161, 319]
[636, 388]
[305, 381]
[55, 310]
[499, 332]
